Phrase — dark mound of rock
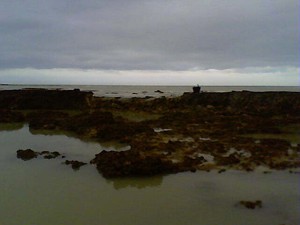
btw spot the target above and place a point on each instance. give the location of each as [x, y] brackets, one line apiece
[252, 204]
[50, 155]
[75, 164]
[131, 163]
[46, 120]
[8, 116]
[255, 102]
[26, 154]
[45, 99]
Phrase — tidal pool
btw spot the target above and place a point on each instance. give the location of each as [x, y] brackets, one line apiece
[47, 192]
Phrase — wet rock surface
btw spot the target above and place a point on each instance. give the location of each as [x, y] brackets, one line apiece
[251, 204]
[44, 99]
[28, 154]
[131, 163]
[203, 131]
[75, 164]
[9, 116]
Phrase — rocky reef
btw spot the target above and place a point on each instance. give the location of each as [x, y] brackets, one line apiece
[44, 99]
[28, 154]
[75, 164]
[251, 204]
[196, 131]
[131, 163]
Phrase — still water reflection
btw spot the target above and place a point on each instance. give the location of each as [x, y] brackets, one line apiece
[46, 192]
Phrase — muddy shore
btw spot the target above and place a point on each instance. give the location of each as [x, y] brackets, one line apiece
[206, 131]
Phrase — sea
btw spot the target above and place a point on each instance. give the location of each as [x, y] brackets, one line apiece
[128, 91]
[48, 192]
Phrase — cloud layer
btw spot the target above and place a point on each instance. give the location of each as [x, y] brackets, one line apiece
[249, 76]
[149, 35]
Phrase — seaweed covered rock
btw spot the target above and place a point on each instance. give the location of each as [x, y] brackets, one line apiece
[122, 131]
[86, 122]
[50, 155]
[45, 99]
[131, 163]
[265, 103]
[26, 154]
[192, 125]
[9, 116]
[75, 164]
[251, 204]
[48, 120]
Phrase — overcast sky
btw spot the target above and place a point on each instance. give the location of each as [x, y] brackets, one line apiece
[150, 41]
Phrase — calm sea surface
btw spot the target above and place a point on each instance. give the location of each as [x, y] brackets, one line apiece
[47, 192]
[153, 91]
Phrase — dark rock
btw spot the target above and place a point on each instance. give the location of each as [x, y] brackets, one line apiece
[30, 154]
[252, 205]
[26, 154]
[8, 116]
[75, 164]
[131, 163]
[45, 99]
[46, 120]
[222, 171]
[50, 155]
[232, 159]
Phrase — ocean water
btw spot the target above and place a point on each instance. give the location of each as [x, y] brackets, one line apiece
[153, 91]
[47, 192]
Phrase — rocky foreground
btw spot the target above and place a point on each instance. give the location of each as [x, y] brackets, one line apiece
[205, 131]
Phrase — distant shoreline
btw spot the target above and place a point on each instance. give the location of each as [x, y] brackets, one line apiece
[142, 91]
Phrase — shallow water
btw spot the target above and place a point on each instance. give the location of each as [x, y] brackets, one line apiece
[46, 192]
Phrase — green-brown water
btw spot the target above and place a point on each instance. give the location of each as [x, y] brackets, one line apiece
[46, 192]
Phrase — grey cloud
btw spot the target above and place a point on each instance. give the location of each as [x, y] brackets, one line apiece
[170, 35]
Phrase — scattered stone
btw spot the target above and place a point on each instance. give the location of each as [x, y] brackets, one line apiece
[50, 155]
[294, 172]
[222, 171]
[232, 159]
[252, 205]
[26, 154]
[75, 164]
[30, 154]
[131, 163]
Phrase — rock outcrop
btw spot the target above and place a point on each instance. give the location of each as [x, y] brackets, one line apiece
[45, 99]
[196, 131]
[28, 154]
[131, 163]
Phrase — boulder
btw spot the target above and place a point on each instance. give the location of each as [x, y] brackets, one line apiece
[75, 164]
[131, 163]
[26, 154]
[252, 204]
